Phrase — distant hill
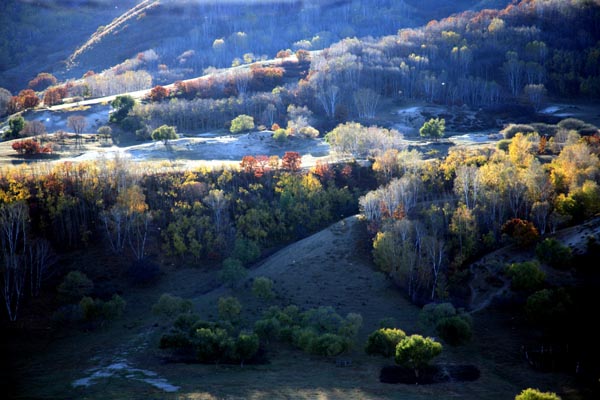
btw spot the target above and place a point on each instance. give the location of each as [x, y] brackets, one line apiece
[188, 35]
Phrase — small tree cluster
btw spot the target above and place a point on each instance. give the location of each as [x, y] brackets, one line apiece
[210, 342]
[526, 276]
[452, 325]
[171, 306]
[318, 331]
[96, 309]
[553, 253]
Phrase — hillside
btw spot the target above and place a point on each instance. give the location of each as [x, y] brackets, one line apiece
[329, 268]
[71, 38]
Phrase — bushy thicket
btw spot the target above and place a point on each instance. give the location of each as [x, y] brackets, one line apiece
[317, 331]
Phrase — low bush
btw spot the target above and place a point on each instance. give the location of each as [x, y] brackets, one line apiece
[526, 276]
[171, 306]
[75, 286]
[553, 253]
[384, 341]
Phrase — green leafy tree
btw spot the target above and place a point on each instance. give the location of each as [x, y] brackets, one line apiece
[246, 250]
[172, 306]
[262, 287]
[554, 253]
[329, 345]
[75, 285]
[164, 133]
[384, 341]
[15, 125]
[526, 276]
[121, 106]
[232, 272]
[416, 352]
[433, 129]
[242, 123]
[535, 394]
[212, 344]
[229, 308]
[246, 347]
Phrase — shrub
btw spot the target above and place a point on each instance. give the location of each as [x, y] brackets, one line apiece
[526, 276]
[212, 345]
[268, 329]
[454, 330]
[262, 288]
[522, 232]
[246, 347]
[242, 123]
[95, 308]
[351, 325]
[329, 345]
[232, 272]
[433, 313]
[185, 322]
[30, 147]
[535, 394]
[384, 341]
[280, 135]
[89, 309]
[75, 285]
[171, 306]
[229, 308]
[245, 250]
[548, 307]
[512, 129]
[303, 338]
[553, 253]
[114, 307]
[503, 145]
[453, 326]
[581, 127]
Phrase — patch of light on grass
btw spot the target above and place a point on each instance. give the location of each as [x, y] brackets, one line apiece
[122, 369]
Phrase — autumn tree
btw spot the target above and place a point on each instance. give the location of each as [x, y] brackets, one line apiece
[54, 95]
[164, 133]
[33, 128]
[42, 81]
[291, 161]
[158, 93]
[433, 129]
[26, 99]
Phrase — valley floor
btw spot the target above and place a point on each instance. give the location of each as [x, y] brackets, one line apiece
[330, 268]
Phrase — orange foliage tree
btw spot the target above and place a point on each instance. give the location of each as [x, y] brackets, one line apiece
[42, 81]
[158, 93]
[291, 161]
